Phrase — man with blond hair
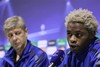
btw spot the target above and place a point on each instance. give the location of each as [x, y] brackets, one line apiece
[22, 53]
[81, 28]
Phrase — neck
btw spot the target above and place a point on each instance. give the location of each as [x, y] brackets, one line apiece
[19, 52]
[17, 57]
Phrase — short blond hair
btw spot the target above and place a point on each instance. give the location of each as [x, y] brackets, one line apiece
[83, 16]
[13, 22]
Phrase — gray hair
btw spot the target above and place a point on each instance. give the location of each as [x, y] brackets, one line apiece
[13, 22]
[83, 16]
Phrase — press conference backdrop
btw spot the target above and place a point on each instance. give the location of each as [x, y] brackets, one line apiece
[49, 46]
[44, 20]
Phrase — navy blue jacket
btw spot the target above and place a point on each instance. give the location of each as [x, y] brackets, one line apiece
[87, 58]
[31, 57]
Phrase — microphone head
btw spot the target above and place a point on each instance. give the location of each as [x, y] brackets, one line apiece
[57, 57]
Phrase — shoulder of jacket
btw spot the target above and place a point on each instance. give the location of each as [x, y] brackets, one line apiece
[97, 41]
[68, 51]
[95, 51]
[37, 52]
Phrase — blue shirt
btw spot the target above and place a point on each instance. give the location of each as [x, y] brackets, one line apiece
[31, 57]
[87, 58]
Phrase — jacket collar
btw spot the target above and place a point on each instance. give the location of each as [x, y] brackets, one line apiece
[11, 53]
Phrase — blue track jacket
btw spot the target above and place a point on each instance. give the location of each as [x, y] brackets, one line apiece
[89, 57]
[31, 57]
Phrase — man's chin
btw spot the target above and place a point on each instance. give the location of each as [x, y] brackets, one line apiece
[17, 48]
[74, 51]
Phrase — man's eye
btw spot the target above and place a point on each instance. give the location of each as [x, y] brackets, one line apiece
[78, 35]
[18, 33]
[69, 34]
[10, 35]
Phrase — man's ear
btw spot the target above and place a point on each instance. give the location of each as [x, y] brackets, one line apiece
[92, 35]
[26, 31]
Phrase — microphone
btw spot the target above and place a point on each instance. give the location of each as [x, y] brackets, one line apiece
[57, 58]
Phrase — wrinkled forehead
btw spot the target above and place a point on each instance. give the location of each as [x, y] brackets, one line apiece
[12, 28]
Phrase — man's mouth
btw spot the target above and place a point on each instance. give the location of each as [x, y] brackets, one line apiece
[73, 45]
[16, 44]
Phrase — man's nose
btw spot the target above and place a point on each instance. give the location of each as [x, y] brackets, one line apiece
[73, 39]
[14, 37]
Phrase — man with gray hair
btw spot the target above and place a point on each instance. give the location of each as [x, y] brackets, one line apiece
[22, 53]
[84, 51]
